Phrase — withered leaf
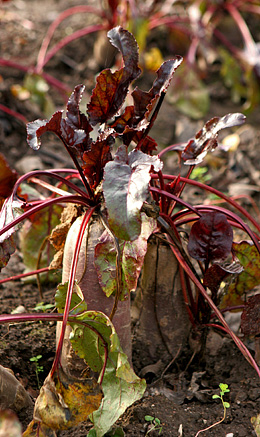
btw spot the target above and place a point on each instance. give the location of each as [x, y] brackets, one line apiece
[64, 401]
[206, 139]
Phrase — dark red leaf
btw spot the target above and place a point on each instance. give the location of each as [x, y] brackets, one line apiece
[8, 177]
[206, 139]
[217, 273]
[211, 238]
[38, 127]
[95, 160]
[144, 101]
[112, 88]
[250, 318]
[127, 45]
[75, 127]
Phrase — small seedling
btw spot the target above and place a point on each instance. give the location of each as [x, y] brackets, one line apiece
[38, 368]
[154, 424]
[223, 389]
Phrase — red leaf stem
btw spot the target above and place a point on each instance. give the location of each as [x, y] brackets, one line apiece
[72, 276]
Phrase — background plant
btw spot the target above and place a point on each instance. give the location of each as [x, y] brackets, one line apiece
[135, 199]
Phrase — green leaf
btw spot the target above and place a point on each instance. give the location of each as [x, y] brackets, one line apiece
[149, 418]
[126, 181]
[32, 235]
[132, 258]
[216, 397]
[226, 404]
[77, 304]
[120, 385]
[224, 387]
[249, 278]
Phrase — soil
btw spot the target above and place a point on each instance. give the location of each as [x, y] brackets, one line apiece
[179, 392]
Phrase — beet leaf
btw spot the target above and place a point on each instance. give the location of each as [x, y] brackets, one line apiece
[8, 178]
[132, 258]
[111, 88]
[211, 238]
[249, 278]
[206, 139]
[126, 183]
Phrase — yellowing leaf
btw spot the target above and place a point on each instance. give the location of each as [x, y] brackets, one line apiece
[249, 278]
[64, 401]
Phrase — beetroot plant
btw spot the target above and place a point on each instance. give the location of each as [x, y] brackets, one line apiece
[115, 200]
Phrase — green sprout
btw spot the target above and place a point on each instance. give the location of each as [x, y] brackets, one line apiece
[155, 424]
[38, 368]
[223, 389]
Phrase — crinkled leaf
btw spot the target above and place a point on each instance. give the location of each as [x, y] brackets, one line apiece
[132, 257]
[8, 177]
[32, 235]
[37, 429]
[38, 127]
[210, 238]
[75, 126]
[96, 158]
[250, 318]
[111, 88]
[145, 101]
[249, 278]
[77, 304]
[59, 233]
[65, 401]
[206, 139]
[216, 273]
[126, 181]
[127, 45]
[9, 424]
[12, 209]
[7, 248]
[121, 387]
